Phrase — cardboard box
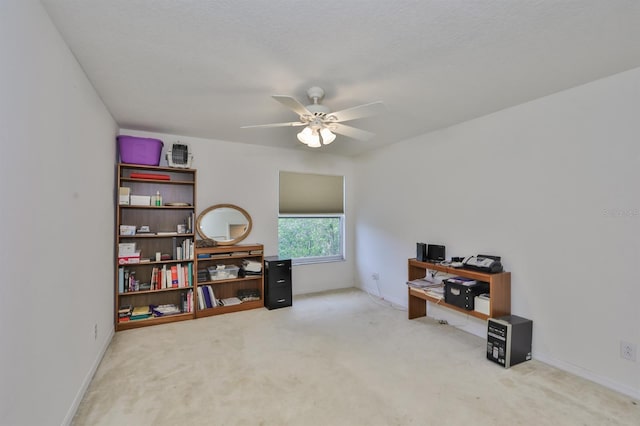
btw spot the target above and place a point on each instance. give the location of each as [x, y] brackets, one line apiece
[140, 200]
[123, 198]
[126, 249]
[126, 260]
[127, 230]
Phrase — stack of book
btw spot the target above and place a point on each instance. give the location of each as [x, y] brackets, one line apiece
[124, 313]
[140, 312]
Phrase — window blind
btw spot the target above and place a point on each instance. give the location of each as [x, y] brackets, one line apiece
[306, 193]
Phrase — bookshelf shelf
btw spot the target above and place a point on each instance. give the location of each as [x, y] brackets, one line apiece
[131, 293]
[179, 188]
[186, 182]
[127, 325]
[232, 280]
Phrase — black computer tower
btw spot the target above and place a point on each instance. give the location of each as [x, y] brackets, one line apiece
[277, 286]
[509, 340]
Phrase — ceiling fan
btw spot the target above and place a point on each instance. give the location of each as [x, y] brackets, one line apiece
[322, 124]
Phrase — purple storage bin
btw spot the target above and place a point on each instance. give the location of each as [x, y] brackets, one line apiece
[135, 150]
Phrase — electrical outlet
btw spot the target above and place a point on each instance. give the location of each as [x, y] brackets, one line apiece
[375, 276]
[627, 351]
[95, 331]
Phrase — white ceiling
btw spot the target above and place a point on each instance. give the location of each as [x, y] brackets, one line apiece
[205, 68]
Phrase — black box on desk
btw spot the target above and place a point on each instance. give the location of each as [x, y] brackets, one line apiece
[509, 340]
[462, 294]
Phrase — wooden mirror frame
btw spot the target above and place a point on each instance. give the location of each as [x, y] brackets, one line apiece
[224, 242]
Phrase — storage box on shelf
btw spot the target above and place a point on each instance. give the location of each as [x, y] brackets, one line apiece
[221, 287]
[160, 272]
[499, 290]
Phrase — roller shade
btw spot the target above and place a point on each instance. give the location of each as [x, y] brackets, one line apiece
[305, 193]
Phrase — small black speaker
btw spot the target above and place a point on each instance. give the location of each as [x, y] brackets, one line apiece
[421, 252]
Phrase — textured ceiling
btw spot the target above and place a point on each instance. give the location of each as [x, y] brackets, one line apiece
[205, 68]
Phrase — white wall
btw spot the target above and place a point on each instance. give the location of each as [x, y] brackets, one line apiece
[57, 170]
[552, 186]
[247, 176]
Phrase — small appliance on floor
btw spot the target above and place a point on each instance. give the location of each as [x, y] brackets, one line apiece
[509, 340]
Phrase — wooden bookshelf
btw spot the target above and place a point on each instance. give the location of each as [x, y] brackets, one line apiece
[225, 288]
[179, 188]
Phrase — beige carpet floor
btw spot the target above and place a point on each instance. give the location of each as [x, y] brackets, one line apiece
[335, 358]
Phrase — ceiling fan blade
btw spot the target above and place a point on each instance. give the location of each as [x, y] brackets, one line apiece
[293, 104]
[359, 111]
[290, 124]
[352, 132]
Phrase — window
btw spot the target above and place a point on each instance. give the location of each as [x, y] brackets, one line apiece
[311, 219]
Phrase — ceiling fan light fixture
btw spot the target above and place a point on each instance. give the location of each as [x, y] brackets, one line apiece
[327, 136]
[306, 135]
[314, 142]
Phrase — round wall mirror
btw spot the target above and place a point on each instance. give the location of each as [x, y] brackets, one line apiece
[226, 224]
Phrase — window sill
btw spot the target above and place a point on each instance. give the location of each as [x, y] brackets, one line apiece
[315, 260]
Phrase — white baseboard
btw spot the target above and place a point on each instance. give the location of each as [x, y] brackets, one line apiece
[87, 380]
[589, 375]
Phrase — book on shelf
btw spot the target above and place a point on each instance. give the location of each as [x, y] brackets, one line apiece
[206, 298]
[212, 296]
[174, 248]
[166, 233]
[201, 305]
[174, 276]
[152, 176]
[121, 280]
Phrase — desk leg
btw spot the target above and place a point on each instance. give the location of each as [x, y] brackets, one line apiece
[417, 306]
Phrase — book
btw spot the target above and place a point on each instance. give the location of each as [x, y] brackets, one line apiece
[174, 276]
[201, 305]
[153, 176]
[214, 301]
[174, 248]
[206, 297]
[120, 280]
